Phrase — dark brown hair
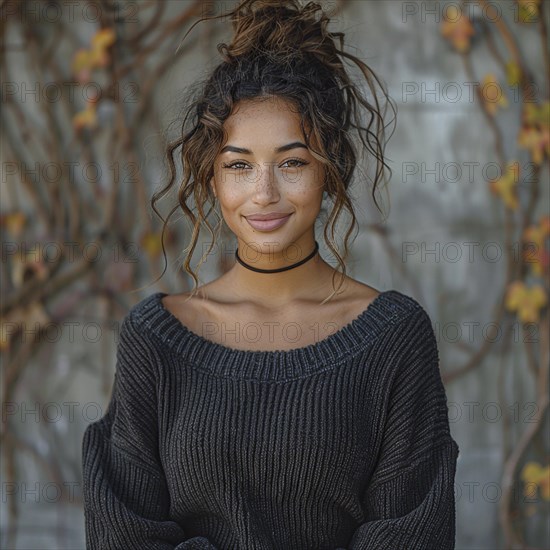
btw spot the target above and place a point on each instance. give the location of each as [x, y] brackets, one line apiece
[282, 49]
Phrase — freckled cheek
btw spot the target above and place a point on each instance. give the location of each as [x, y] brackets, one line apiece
[230, 191]
[303, 183]
[232, 199]
[305, 190]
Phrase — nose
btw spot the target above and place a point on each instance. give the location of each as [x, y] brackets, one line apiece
[267, 185]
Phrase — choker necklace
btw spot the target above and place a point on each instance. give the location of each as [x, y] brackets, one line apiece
[279, 269]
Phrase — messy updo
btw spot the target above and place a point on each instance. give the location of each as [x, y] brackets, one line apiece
[283, 49]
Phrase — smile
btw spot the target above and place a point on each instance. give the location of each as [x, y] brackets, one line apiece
[268, 225]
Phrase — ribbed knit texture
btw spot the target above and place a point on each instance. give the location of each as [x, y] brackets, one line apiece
[344, 443]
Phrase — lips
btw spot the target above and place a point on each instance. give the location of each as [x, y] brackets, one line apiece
[269, 224]
[267, 217]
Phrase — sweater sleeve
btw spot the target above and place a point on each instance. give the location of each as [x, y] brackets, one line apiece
[409, 501]
[126, 499]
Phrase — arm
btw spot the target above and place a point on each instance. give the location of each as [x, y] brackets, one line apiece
[126, 499]
[409, 502]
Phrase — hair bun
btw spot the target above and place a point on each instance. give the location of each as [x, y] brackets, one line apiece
[278, 28]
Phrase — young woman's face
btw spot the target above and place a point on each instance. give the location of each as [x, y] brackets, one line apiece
[266, 168]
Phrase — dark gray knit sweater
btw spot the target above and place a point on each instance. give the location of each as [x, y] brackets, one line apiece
[344, 443]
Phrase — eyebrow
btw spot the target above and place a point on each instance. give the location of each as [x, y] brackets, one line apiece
[282, 149]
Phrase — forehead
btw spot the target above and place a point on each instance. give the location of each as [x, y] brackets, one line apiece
[266, 116]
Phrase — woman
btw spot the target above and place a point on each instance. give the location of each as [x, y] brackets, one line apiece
[268, 409]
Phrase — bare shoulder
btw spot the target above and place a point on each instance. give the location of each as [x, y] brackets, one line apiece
[352, 301]
[188, 307]
[361, 293]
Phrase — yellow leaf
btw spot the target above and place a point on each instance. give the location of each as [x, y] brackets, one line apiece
[515, 295]
[527, 302]
[100, 42]
[531, 472]
[528, 11]
[544, 114]
[505, 186]
[103, 38]
[151, 244]
[513, 73]
[81, 60]
[545, 483]
[536, 141]
[86, 118]
[535, 113]
[527, 313]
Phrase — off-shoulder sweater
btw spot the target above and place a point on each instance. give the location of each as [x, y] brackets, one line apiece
[344, 443]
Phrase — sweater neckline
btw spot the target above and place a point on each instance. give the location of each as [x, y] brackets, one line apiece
[204, 354]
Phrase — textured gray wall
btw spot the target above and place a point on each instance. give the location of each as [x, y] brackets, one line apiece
[427, 210]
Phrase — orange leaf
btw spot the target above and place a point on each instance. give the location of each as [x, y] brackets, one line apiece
[537, 234]
[14, 222]
[100, 42]
[4, 338]
[457, 28]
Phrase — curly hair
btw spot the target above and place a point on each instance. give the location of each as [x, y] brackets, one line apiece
[282, 49]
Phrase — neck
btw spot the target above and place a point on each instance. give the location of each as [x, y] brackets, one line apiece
[277, 289]
[278, 269]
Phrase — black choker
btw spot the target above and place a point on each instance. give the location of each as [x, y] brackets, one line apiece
[281, 268]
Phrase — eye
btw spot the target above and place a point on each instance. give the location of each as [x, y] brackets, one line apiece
[234, 164]
[299, 162]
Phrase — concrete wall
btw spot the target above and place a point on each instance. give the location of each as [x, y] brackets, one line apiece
[428, 212]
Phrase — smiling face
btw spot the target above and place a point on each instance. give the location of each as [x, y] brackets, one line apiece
[266, 168]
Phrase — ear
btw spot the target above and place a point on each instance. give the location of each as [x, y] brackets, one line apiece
[212, 184]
